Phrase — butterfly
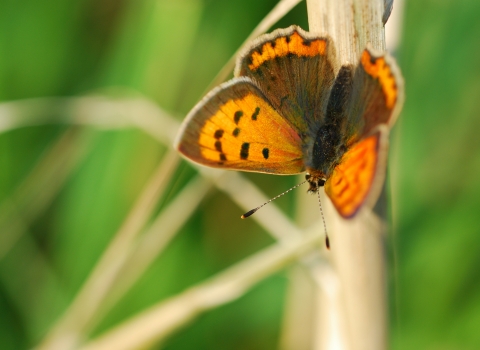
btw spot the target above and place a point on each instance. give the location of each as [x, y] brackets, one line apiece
[292, 108]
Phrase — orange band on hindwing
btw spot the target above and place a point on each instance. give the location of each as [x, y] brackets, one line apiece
[352, 178]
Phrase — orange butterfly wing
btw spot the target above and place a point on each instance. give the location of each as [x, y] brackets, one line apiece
[358, 178]
[234, 127]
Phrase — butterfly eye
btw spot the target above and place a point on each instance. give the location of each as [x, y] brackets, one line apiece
[321, 182]
[307, 176]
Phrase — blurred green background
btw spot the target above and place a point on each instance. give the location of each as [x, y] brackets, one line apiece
[170, 51]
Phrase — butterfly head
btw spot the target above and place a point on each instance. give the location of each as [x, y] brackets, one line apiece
[315, 179]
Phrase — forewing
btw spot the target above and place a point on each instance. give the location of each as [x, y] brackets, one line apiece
[295, 70]
[358, 179]
[235, 127]
[377, 94]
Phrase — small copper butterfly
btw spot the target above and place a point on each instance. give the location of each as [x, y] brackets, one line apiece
[292, 108]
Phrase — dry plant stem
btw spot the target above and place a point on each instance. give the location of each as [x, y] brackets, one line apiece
[40, 187]
[357, 252]
[359, 262]
[282, 8]
[311, 319]
[71, 326]
[326, 305]
[351, 23]
[326, 328]
[160, 320]
[299, 312]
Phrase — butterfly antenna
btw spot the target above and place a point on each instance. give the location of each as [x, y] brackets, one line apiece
[327, 240]
[251, 212]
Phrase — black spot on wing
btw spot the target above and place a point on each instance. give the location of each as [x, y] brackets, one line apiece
[218, 146]
[255, 114]
[237, 116]
[244, 150]
[218, 134]
[236, 132]
[265, 153]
